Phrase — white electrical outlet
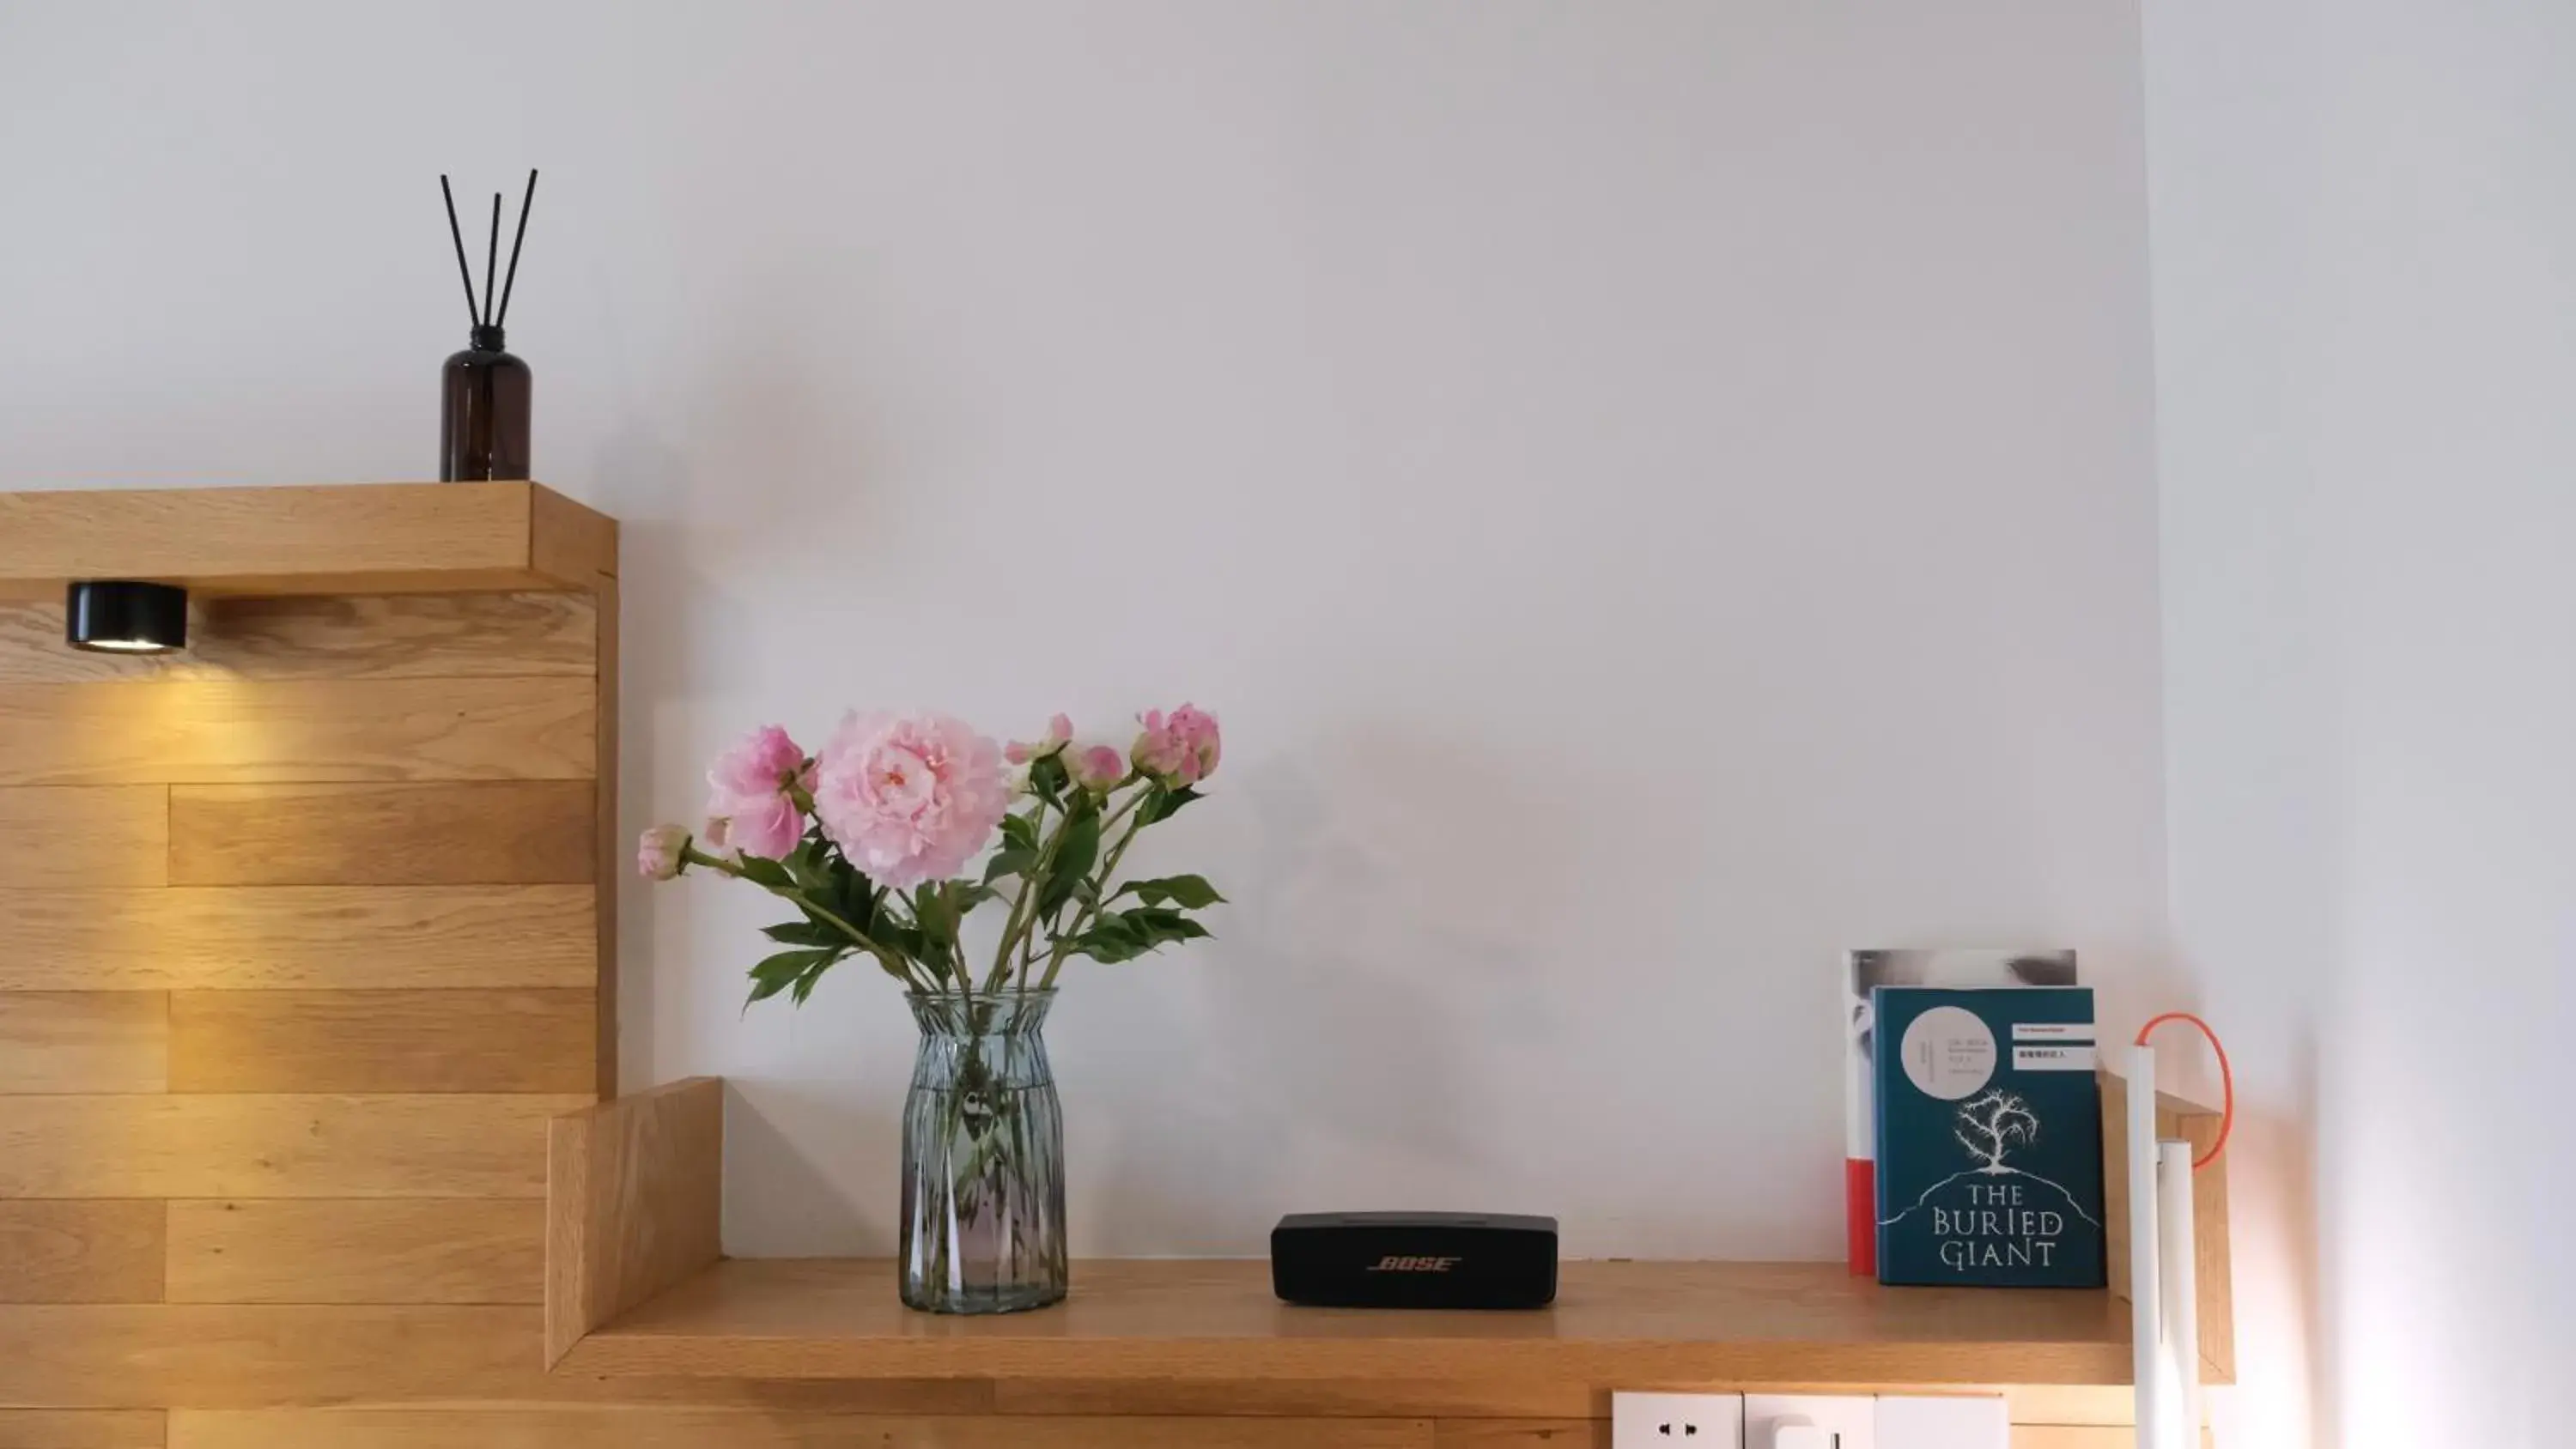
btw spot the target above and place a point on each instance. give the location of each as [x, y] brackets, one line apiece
[1795, 1421]
[1676, 1421]
[1910, 1423]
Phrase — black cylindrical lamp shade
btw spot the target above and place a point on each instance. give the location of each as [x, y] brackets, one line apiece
[117, 617]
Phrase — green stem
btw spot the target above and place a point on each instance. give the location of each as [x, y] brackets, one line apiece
[1063, 940]
[1014, 925]
[903, 966]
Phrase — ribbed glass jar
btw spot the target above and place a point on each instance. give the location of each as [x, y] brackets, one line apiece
[983, 1158]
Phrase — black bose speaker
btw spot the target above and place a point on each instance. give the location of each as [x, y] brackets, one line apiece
[1414, 1260]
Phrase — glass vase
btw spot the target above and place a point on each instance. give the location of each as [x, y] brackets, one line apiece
[983, 1158]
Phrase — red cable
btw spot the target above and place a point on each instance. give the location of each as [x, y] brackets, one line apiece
[2226, 1077]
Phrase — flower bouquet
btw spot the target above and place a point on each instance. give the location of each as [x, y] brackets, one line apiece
[870, 839]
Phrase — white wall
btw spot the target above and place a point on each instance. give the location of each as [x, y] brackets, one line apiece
[1658, 492]
[2363, 217]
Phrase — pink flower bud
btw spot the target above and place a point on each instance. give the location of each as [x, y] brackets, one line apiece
[1181, 749]
[1059, 734]
[1099, 768]
[659, 855]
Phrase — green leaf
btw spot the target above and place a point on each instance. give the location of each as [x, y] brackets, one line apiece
[1110, 939]
[1014, 861]
[762, 871]
[1168, 803]
[807, 866]
[1187, 891]
[1020, 832]
[808, 932]
[1047, 778]
[797, 969]
[1076, 849]
[1162, 927]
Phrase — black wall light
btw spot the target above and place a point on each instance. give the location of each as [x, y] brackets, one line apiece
[115, 616]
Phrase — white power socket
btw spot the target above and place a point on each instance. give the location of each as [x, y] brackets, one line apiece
[1969, 1423]
[1800, 1421]
[1676, 1421]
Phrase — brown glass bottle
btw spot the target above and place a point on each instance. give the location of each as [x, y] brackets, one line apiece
[483, 418]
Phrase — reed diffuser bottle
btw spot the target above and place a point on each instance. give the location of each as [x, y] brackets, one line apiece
[484, 391]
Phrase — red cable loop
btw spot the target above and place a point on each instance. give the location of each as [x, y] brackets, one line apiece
[2226, 1077]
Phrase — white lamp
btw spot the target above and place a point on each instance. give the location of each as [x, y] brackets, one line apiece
[2163, 1289]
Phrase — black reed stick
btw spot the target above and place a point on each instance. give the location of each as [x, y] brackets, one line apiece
[512, 279]
[464, 272]
[491, 258]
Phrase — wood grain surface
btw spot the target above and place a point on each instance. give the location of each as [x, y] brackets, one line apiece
[1612, 1323]
[357, 1251]
[340, 539]
[93, 1251]
[513, 832]
[56, 838]
[400, 636]
[84, 1041]
[80, 1429]
[705, 1428]
[634, 1191]
[280, 1146]
[381, 1041]
[298, 936]
[223, 731]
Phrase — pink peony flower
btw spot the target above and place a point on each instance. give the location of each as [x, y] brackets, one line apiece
[1059, 734]
[749, 790]
[1099, 768]
[910, 798]
[1182, 748]
[659, 854]
[768, 826]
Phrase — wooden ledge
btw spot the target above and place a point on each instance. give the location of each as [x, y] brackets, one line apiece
[387, 538]
[635, 1287]
[1216, 1321]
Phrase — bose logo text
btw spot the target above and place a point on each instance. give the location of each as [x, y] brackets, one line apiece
[1399, 1263]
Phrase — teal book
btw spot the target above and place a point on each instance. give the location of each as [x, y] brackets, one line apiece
[1989, 1137]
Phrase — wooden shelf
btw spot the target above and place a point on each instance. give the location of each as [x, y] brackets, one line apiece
[385, 538]
[1804, 1323]
[636, 1287]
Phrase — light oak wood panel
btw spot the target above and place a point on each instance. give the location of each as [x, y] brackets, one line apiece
[381, 1041]
[1502, 1397]
[1612, 1323]
[2176, 1119]
[257, 1356]
[570, 542]
[95, 1251]
[400, 636]
[298, 936]
[610, 840]
[347, 539]
[357, 1251]
[509, 832]
[220, 732]
[80, 1429]
[699, 1428]
[1522, 1434]
[633, 1195]
[281, 1146]
[84, 1041]
[111, 835]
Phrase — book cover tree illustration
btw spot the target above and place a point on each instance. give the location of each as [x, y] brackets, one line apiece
[1989, 1138]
